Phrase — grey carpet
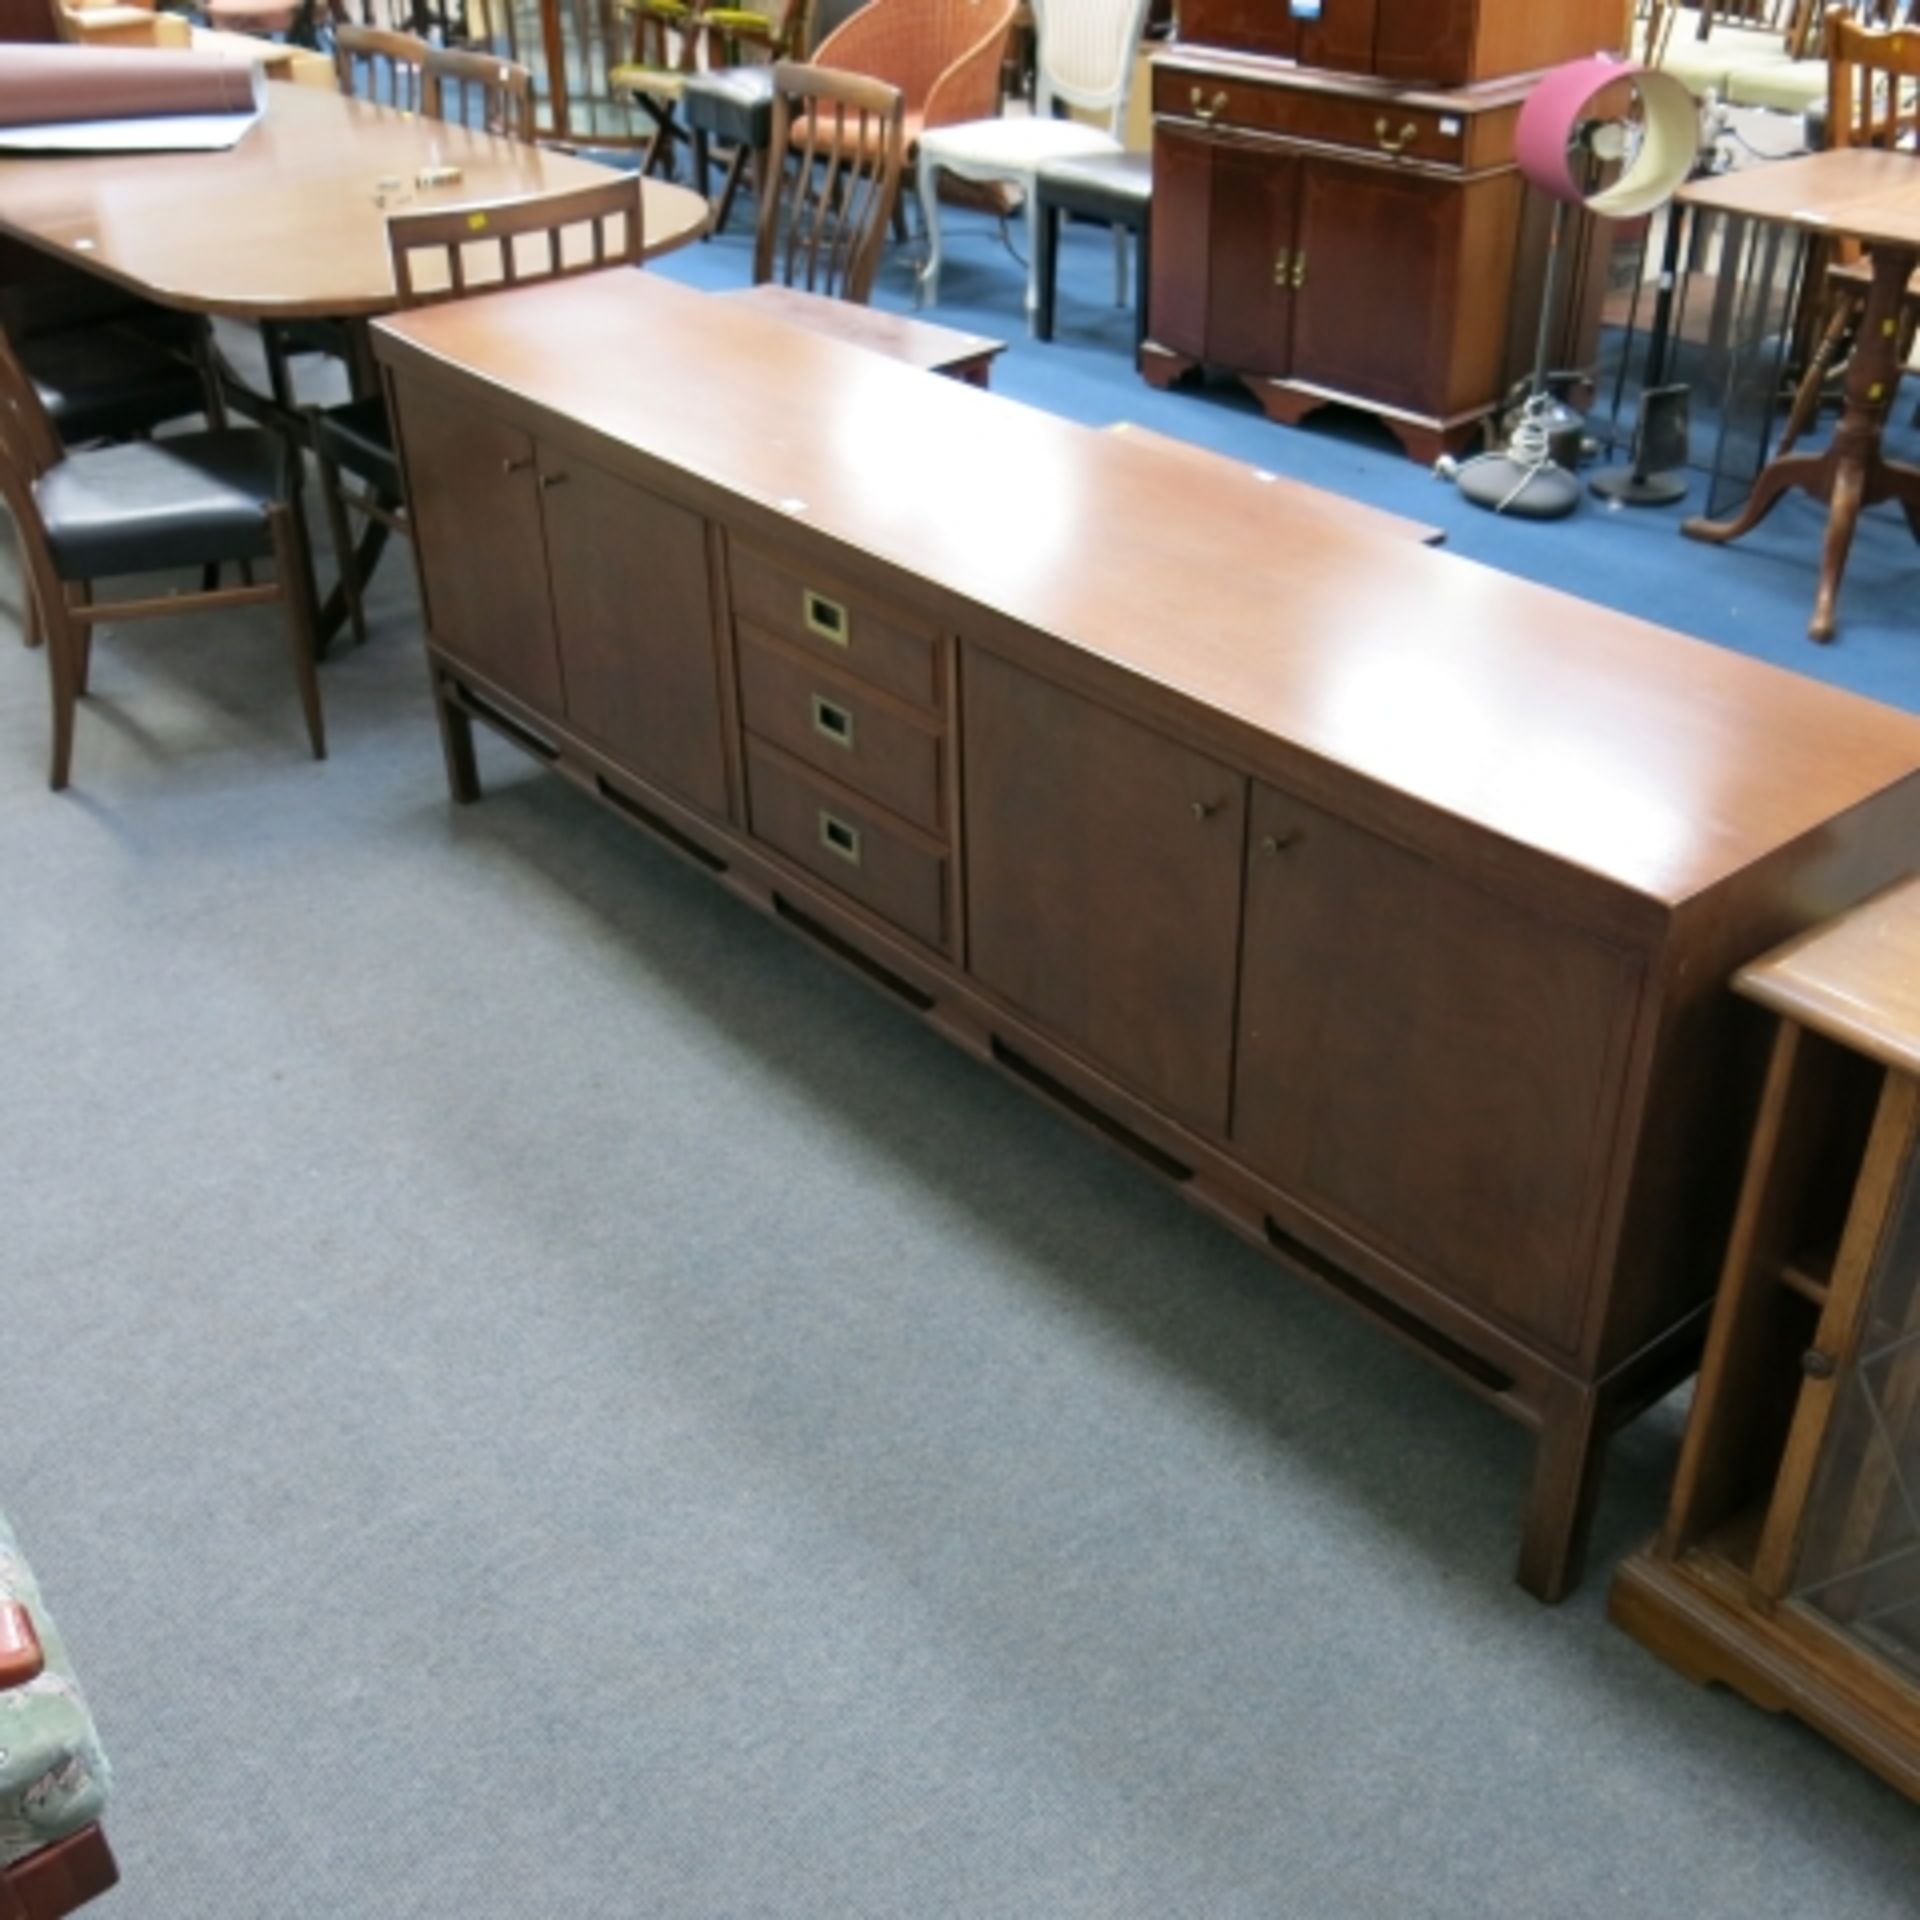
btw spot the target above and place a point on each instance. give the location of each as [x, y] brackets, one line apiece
[534, 1395]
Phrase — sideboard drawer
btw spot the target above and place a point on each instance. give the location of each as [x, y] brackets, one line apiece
[853, 847]
[849, 732]
[825, 618]
[1378, 124]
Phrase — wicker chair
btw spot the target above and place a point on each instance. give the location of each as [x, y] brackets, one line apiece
[944, 56]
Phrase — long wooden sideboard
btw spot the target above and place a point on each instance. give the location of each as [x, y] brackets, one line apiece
[1380, 903]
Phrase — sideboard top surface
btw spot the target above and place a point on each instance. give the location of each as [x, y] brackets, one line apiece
[1661, 763]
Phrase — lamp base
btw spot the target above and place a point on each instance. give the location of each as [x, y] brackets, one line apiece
[1502, 484]
[1624, 487]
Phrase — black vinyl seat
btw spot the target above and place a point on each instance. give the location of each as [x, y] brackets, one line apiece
[192, 500]
[111, 382]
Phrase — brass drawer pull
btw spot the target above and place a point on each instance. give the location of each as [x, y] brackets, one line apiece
[840, 839]
[553, 479]
[1390, 142]
[832, 721]
[1274, 843]
[827, 618]
[1209, 110]
[1299, 269]
[1283, 261]
[523, 464]
[1204, 810]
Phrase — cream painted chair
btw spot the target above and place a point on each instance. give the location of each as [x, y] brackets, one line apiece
[1084, 59]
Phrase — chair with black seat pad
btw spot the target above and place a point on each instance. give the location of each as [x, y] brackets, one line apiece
[1115, 189]
[111, 383]
[192, 501]
[731, 104]
[356, 440]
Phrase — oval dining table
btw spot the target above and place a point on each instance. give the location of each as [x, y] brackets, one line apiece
[291, 222]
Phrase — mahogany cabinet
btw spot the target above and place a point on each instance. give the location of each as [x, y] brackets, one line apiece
[567, 588]
[1380, 904]
[1332, 240]
[1445, 43]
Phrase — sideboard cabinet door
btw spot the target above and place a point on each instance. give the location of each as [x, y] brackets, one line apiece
[1430, 1064]
[475, 502]
[634, 607]
[1103, 883]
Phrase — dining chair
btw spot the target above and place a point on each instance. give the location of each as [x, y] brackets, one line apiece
[381, 65]
[1873, 100]
[838, 145]
[54, 1786]
[668, 44]
[731, 101]
[190, 501]
[469, 250]
[478, 90]
[1085, 56]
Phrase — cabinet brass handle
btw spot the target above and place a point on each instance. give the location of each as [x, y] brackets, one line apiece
[521, 465]
[1299, 269]
[1279, 842]
[1817, 1365]
[553, 479]
[832, 721]
[827, 618]
[1204, 810]
[1209, 110]
[1391, 142]
[839, 839]
[1283, 260]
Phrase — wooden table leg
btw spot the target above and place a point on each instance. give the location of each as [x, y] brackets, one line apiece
[1852, 473]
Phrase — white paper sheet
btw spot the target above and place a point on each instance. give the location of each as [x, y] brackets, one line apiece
[162, 133]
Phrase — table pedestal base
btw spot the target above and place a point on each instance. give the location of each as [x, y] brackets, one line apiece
[1851, 474]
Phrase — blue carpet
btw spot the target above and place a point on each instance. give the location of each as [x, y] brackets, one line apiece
[1755, 597]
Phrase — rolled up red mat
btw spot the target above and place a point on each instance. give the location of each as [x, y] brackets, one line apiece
[55, 86]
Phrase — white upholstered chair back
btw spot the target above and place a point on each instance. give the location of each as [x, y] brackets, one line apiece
[1085, 55]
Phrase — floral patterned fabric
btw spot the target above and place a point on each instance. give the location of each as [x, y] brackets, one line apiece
[53, 1776]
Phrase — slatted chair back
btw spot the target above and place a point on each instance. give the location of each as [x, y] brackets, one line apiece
[478, 90]
[379, 65]
[838, 146]
[1873, 84]
[750, 35]
[29, 442]
[449, 254]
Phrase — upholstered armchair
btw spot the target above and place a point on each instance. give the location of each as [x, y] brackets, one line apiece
[53, 1776]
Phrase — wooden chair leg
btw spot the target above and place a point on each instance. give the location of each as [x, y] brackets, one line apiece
[279, 372]
[30, 631]
[295, 566]
[729, 188]
[79, 596]
[62, 680]
[346, 559]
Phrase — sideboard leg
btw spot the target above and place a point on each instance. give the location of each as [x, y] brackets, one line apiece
[1566, 1476]
[456, 742]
